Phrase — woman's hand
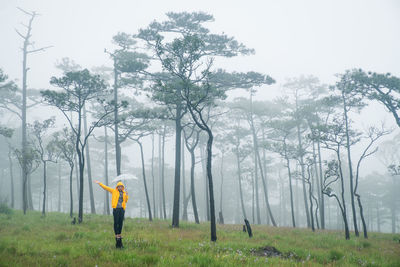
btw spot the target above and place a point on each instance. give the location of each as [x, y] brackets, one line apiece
[97, 182]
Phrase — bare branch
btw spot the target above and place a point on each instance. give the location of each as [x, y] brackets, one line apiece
[40, 49]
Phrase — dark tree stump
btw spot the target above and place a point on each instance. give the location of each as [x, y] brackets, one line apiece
[249, 231]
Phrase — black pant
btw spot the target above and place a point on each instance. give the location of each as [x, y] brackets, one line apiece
[118, 220]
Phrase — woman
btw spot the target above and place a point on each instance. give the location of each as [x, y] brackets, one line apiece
[119, 197]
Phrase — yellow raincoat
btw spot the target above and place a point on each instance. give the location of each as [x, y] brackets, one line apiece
[115, 195]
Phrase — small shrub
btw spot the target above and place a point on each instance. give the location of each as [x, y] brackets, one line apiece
[5, 209]
[11, 250]
[78, 235]
[335, 255]
[365, 244]
[26, 228]
[61, 237]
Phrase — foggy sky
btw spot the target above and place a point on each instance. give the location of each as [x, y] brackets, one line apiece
[290, 37]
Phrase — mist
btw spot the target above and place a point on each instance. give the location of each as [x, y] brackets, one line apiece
[279, 111]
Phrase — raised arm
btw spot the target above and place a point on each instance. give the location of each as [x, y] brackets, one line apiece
[109, 189]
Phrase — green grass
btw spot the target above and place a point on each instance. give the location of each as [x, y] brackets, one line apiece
[32, 240]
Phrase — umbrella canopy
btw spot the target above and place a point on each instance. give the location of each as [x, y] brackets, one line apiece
[124, 177]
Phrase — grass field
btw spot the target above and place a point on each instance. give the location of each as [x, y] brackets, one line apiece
[32, 240]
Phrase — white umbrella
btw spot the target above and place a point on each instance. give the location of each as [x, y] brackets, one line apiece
[124, 177]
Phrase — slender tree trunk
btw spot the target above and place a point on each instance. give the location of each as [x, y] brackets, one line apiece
[23, 127]
[107, 201]
[77, 177]
[71, 207]
[30, 199]
[257, 188]
[221, 216]
[239, 173]
[393, 206]
[144, 181]
[11, 178]
[59, 188]
[344, 213]
[211, 186]
[184, 206]
[365, 231]
[252, 199]
[290, 186]
[204, 168]
[353, 207]
[159, 178]
[192, 185]
[309, 182]
[177, 184]
[258, 158]
[322, 204]
[116, 121]
[303, 176]
[44, 188]
[265, 167]
[319, 189]
[89, 169]
[81, 161]
[152, 176]
[162, 173]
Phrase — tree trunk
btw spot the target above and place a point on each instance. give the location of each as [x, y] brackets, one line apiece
[257, 188]
[393, 209]
[184, 206]
[365, 231]
[89, 169]
[77, 177]
[144, 181]
[239, 173]
[162, 173]
[81, 161]
[204, 168]
[303, 176]
[116, 121]
[44, 188]
[23, 127]
[265, 167]
[159, 178]
[30, 200]
[11, 178]
[59, 188]
[311, 203]
[221, 217]
[353, 207]
[319, 189]
[211, 186]
[193, 192]
[344, 213]
[152, 176]
[107, 201]
[71, 206]
[258, 158]
[290, 186]
[322, 204]
[177, 184]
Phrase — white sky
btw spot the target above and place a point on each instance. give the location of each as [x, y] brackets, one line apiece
[319, 37]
